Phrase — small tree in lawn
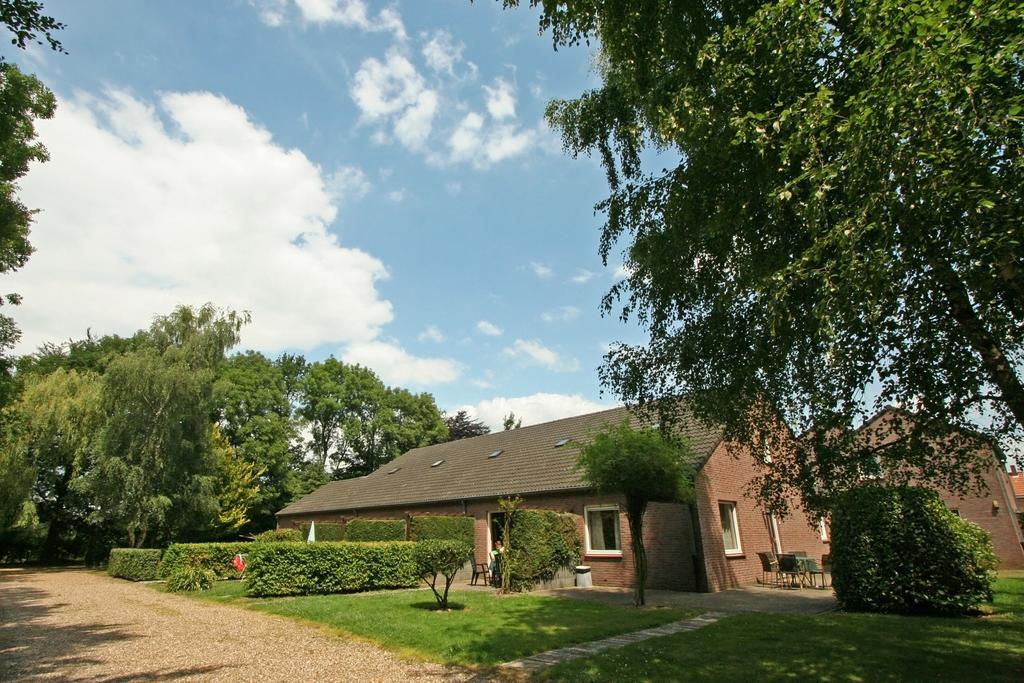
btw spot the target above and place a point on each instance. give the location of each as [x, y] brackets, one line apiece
[444, 558]
[644, 466]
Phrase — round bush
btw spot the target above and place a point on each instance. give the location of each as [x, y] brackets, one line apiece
[899, 549]
[190, 578]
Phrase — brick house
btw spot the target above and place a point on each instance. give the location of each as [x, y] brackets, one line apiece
[994, 509]
[710, 544]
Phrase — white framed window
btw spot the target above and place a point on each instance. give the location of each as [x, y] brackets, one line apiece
[602, 530]
[730, 528]
[823, 529]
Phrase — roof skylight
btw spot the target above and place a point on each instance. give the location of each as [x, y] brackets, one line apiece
[435, 464]
[562, 442]
[394, 470]
[496, 453]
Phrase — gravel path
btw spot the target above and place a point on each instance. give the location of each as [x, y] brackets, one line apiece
[76, 625]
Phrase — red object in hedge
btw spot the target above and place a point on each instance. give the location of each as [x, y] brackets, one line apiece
[239, 563]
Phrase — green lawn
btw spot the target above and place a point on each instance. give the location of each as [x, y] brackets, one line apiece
[482, 629]
[828, 647]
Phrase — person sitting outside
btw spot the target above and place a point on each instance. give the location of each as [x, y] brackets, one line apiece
[497, 556]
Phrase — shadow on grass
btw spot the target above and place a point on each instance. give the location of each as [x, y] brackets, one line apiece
[433, 606]
[828, 647]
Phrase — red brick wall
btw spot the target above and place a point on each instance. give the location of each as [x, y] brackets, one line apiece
[666, 535]
[999, 519]
[725, 478]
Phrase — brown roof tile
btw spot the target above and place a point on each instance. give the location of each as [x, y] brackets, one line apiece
[529, 463]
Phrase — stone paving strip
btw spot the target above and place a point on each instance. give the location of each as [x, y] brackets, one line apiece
[77, 625]
[565, 654]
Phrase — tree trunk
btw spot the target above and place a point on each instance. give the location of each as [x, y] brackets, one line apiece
[635, 515]
[993, 359]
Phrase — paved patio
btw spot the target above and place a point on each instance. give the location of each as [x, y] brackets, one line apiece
[746, 599]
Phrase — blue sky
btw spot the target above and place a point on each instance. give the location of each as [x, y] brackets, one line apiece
[370, 180]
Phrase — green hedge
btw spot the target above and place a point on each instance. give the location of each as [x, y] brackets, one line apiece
[325, 531]
[442, 528]
[900, 549]
[281, 536]
[373, 530]
[134, 564]
[540, 543]
[216, 557]
[330, 567]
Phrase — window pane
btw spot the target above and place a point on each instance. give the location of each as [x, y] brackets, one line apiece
[730, 536]
[603, 526]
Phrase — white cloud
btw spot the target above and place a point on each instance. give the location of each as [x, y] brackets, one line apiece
[394, 91]
[138, 216]
[533, 409]
[271, 12]
[397, 366]
[622, 271]
[442, 53]
[431, 333]
[349, 182]
[582, 276]
[481, 384]
[541, 270]
[501, 99]
[488, 328]
[562, 314]
[396, 196]
[484, 145]
[535, 353]
[347, 13]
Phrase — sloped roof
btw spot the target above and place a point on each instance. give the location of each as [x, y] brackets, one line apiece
[529, 463]
[1017, 479]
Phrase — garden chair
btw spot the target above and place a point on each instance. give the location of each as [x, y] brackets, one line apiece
[826, 566]
[479, 569]
[811, 570]
[790, 572]
[769, 566]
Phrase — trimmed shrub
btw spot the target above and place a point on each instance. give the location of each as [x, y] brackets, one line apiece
[190, 578]
[374, 530]
[900, 549]
[325, 531]
[444, 557]
[217, 557]
[443, 528]
[540, 543]
[280, 536]
[330, 567]
[134, 564]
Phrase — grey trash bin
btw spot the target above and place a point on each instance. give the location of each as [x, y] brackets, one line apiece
[584, 579]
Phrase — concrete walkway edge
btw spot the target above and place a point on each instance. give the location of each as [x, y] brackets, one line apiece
[566, 654]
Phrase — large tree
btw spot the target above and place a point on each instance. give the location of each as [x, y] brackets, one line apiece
[255, 417]
[155, 474]
[462, 426]
[834, 223]
[357, 423]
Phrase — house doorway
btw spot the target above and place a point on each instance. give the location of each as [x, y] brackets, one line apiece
[495, 528]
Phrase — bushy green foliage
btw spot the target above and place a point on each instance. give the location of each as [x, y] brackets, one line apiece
[332, 567]
[134, 564]
[325, 531]
[440, 557]
[442, 527]
[899, 549]
[280, 536]
[374, 530]
[216, 557]
[540, 543]
[190, 577]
